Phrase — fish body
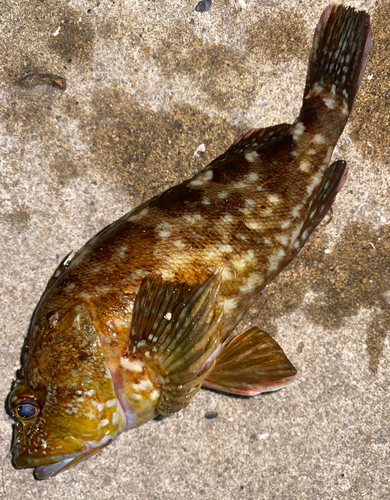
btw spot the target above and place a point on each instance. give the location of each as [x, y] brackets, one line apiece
[135, 322]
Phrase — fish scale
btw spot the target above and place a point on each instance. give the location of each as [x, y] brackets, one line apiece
[138, 320]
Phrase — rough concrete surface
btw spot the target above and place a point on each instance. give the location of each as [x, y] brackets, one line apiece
[147, 82]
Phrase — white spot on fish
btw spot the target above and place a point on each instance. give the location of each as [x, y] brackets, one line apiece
[273, 198]
[104, 423]
[240, 185]
[285, 224]
[115, 418]
[133, 366]
[141, 214]
[314, 183]
[154, 395]
[206, 201]
[229, 305]
[251, 224]
[135, 396]
[168, 316]
[99, 406]
[319, 139]
[241, 262]
[275, 259]
[294, 153]
[253, 176]
[295, 211]
[282, 238]
[143, 385]
[298, 130]
[250, 202]
[179, 244]
[329, 102]
[225, 248]
[253, 280]
[317, 88]
[202, 178]
[251, 157]
[164, 234]
[226, 274]
[192, 218]
[311, 151]
[222, 194]
[110, 403]
[304, 166]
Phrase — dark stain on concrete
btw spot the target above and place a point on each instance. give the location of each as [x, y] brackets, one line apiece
[370, 123]
[18, 219]
[131, 143]
[354, 276]
[32, 43]
[119, 141]
[219, 71]
[279, 36]
[75, 37]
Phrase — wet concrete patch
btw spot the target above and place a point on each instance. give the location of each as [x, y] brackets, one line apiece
[352, 277]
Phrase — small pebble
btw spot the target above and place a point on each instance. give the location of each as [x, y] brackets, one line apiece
[210, 415]
[203, 6]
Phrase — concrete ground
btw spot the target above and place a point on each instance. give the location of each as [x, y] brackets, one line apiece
[147, 83]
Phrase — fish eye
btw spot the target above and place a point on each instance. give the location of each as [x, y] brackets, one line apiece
[26, 408]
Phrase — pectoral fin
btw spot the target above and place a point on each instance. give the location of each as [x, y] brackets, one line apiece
[250, 364]
[174, 328]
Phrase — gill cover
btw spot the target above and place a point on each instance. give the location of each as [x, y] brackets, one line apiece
[65, 406]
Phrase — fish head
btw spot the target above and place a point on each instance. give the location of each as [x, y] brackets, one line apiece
[64, 400]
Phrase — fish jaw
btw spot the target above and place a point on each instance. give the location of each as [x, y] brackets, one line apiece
[52, 469]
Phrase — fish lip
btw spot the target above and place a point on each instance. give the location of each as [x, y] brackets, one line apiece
[50, 470]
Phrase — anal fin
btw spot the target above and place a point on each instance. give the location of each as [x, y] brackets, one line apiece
[251, 363]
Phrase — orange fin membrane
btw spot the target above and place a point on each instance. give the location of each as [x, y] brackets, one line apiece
[175, 327]
[333, 181]
[251, 363]
[338, 58]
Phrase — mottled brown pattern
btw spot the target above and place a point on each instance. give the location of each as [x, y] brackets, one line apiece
[234, 225]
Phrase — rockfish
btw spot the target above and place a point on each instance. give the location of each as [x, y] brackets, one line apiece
[133, 324]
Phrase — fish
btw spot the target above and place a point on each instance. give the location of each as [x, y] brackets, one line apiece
[132, 325]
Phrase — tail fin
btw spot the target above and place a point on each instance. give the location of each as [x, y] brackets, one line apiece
[338, 58]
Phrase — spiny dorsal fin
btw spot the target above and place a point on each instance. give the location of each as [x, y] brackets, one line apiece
[258, 138]
[176, 324]
[253, 362]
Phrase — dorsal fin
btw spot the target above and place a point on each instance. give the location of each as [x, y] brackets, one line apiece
[258, 138]
[174, 327]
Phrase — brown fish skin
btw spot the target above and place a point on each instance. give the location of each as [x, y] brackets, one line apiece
[210, 245]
